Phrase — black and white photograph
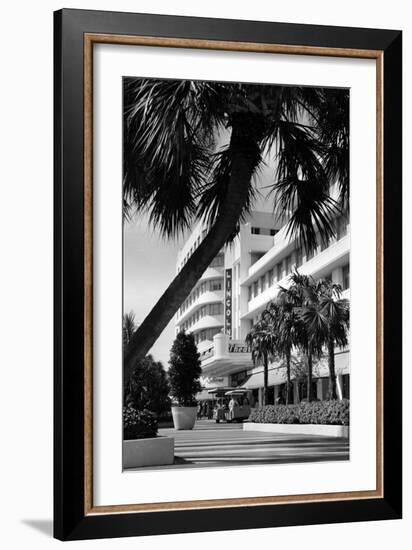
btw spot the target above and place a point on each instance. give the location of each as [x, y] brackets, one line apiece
[205, 292]
[236, 274]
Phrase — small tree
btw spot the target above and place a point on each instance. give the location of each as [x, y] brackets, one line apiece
[185, 370]
[148, 388]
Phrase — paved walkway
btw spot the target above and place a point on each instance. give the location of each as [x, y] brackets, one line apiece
[211, 444]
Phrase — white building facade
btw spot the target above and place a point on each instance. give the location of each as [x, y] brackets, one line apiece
[238, 285]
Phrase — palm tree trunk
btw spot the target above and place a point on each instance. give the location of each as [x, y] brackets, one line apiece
[245, 155]
[265, 379]
[287, 378]
[332, 373]
[310, 376]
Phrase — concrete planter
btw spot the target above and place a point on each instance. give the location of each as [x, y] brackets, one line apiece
[303, 429]
[184, 418]
[152, 451]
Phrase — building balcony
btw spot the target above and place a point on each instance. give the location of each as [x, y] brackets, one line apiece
[212, 273]
[208, 297]
[282, 246]
[318, 266]
[280, 242]
[208, 321]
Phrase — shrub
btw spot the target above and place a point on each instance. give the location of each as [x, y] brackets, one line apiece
[317, 412]
[138, 424]
[148, 387]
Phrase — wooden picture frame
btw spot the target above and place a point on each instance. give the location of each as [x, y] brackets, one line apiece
[75, 515]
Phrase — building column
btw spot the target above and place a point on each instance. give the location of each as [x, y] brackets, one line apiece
[260, 397]
[339, 386]
[221, 345]
[295, 392]
[319, 389]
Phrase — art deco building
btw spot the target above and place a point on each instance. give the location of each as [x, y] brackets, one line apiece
[238, 285]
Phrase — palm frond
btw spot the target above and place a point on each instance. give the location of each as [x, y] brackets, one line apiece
[167, 144]
[301, 190]
[333, 133]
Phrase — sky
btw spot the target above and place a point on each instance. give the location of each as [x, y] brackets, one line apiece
[149, 268]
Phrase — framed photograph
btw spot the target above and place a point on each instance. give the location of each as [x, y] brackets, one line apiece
[227, 274]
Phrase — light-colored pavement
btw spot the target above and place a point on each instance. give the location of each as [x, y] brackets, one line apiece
[211, 444]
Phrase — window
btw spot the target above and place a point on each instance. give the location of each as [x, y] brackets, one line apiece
[298, 257]
[255, 289]
[270, 278]
[215, 285]
[273, 232]
[255, 230]
[212, 332]
[345, 277]
[217, 261]
[250, 292]
[288, 263]
[261, 284]
[279, 271]
[255, 256]
[215, 309]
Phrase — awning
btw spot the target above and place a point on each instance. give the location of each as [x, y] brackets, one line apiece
[204, 395]
[275, 377]
[237, 391]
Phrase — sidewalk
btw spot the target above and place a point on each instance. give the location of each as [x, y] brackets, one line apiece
[211, 444]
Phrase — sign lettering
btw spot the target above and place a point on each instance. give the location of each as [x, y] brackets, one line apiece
[228, 302]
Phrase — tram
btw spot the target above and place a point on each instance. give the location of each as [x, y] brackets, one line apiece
[232, 404]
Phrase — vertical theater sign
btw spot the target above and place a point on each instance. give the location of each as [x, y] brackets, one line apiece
[228, 302]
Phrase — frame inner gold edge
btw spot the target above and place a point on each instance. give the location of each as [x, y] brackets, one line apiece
[89, 40]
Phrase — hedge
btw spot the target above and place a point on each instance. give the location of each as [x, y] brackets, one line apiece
[316, 412]
[138, 424]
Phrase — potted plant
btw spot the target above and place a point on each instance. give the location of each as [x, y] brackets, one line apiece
[184, 373]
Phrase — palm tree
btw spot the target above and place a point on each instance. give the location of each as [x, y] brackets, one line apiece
[288, 329]
[173, 172]
[327, 320]
[262, 342]
[299, 296]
